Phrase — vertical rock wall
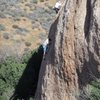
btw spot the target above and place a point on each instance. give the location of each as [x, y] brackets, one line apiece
[73, 58]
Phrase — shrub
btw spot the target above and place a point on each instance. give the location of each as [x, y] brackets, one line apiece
[3, 98]
[10, 73]
[2, 27]
[2, 15]
[21, 31]
[34, 1]
[27, 44]
[26, 56]
[14, 75]
[35, 25]
[16, 19]
[15, 26]
[95, 90]
[6, 35]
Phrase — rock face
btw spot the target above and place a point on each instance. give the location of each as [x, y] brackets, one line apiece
[73, 58]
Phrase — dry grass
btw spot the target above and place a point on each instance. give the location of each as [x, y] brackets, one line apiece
[32, 36]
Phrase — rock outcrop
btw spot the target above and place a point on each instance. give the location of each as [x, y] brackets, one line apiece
[73, 58]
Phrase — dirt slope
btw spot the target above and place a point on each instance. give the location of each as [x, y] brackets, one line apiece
[24, 25]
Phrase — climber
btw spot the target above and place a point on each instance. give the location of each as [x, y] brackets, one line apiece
[57, 6]
[45, 47]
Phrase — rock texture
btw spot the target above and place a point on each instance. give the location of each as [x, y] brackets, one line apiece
[73, 58]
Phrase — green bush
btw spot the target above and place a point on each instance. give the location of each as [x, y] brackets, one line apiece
[41, 0]
[6, 35]
[14, 74]
[95, 90]
[34, 1]
[27, 44]
[3, 98]
[2, 27]
[10, 73]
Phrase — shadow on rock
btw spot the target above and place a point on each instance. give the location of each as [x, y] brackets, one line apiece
[28, 82]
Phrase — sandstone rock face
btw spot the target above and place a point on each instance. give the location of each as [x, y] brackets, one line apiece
[73, 58]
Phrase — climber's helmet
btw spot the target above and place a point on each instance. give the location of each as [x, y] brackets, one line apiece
[57, 6]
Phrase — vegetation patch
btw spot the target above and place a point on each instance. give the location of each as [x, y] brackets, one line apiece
[18, 78]
[2, 27]
[6, 35]
[34, 1]
[27, 44]
[95, 90]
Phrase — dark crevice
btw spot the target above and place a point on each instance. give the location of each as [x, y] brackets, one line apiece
[88, 18]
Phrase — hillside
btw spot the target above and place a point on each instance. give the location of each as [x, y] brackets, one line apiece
[24, 25]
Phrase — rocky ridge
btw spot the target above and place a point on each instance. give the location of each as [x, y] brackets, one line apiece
[73, 58]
